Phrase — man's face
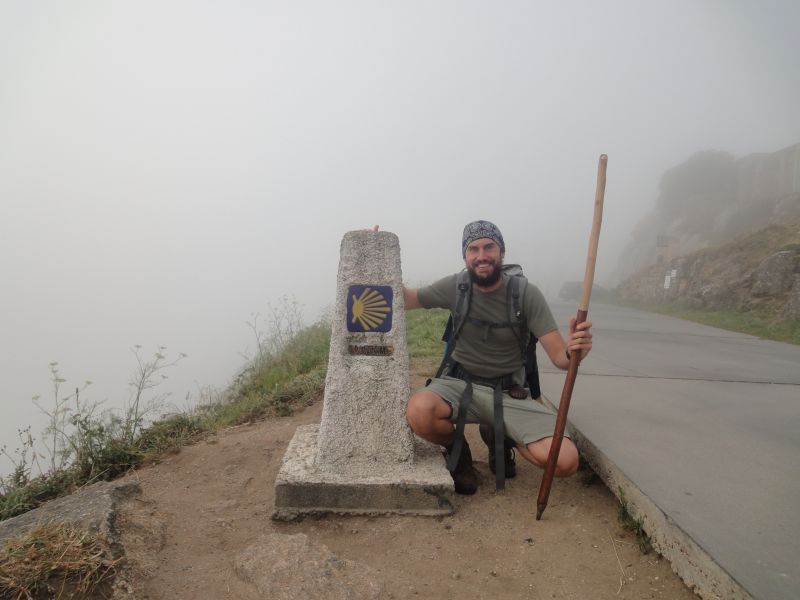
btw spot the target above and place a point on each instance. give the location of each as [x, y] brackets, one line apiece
[483, 260]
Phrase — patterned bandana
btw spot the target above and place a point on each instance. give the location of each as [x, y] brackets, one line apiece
[481, 229]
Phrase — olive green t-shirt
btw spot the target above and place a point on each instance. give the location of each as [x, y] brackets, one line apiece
[490, 352]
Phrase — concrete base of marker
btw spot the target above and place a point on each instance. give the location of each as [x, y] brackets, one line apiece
[422, 488]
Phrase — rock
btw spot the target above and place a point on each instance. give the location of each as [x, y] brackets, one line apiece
[775, 274]
[792, 309]
[291, 567]
[93, 509]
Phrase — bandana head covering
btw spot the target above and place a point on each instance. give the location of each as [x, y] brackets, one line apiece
[481, 229]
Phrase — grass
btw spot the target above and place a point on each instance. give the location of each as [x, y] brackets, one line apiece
[293, 377]
[753, 323]
[750, 249]
[635, 526]
[54, 560]
[424, 332]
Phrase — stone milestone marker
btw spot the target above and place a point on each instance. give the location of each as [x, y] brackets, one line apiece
[363, 458]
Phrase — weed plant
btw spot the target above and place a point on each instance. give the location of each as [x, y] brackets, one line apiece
[85, 445]
[635, 526]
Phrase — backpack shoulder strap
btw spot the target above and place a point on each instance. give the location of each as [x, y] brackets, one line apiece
[463, 301]
[517, 288]
[457, 318]
[517, 285]
[528, 341]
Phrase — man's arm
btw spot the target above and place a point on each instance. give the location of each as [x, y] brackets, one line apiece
[580, 339]
[411, 298]
[437, 295]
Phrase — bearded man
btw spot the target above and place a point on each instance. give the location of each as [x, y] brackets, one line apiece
[486, 375]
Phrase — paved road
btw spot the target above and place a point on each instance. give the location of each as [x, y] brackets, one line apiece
[706, 423]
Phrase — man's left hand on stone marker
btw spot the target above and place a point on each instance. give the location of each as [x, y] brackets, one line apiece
[580, 337]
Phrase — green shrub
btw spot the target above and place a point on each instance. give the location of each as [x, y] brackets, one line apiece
[18, 499]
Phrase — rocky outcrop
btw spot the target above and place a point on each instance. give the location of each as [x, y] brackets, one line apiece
[775, 274]
[756, 272]
[95, 510]
[712, 197]
[792, 309]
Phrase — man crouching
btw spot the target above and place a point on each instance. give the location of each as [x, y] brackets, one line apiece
[484, 377]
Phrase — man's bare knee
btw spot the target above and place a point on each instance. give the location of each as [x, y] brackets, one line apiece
[428, 415]
[424, 408]
[538, 451]
[567, 459]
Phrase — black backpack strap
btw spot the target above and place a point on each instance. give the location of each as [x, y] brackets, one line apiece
[528, 341]
[516, 297]
[457, 319]
[516, 311]
[499, 440]
[463, 301]
[461, 421]
[487, 326]
[447, 338]
[448, 329]
[532, 369]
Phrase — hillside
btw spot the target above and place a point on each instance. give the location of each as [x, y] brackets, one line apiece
[758, 273]
[710, 199]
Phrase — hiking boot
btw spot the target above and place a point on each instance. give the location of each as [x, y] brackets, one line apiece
[464, 475]
[487, 435]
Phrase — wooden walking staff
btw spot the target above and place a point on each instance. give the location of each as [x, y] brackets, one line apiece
[572, 371]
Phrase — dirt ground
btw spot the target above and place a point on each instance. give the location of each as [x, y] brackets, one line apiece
[203, 506]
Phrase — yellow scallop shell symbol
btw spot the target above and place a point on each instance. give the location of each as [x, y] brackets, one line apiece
[370, 309]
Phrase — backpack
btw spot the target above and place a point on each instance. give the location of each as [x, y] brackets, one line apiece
[516, 320]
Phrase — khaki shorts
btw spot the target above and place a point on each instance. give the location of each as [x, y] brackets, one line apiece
[526, 420]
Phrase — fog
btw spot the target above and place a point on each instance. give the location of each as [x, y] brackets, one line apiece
[168, 168]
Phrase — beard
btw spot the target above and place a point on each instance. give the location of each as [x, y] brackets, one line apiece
[489, 279]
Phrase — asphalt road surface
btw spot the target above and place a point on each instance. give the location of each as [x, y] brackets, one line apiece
[706, 423]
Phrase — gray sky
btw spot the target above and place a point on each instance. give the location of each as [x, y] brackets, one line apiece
[167, 168]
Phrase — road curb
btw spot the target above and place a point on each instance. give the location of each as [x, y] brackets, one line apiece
[698, 570]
